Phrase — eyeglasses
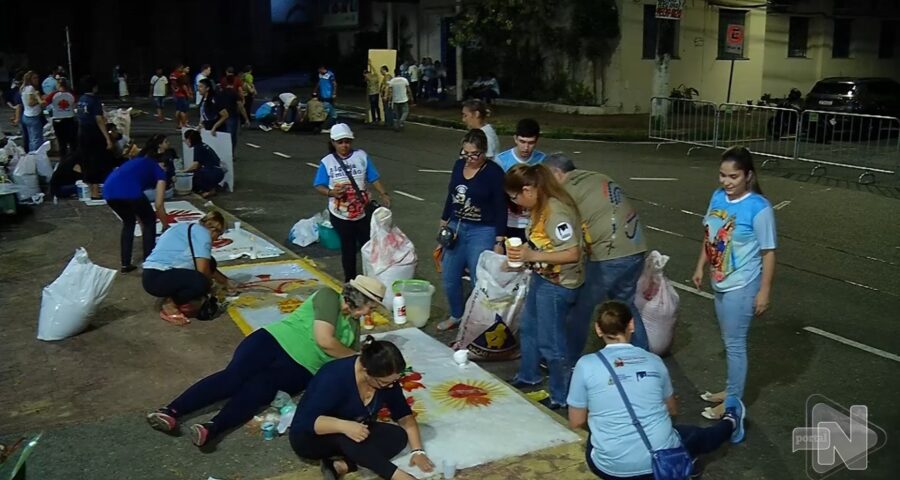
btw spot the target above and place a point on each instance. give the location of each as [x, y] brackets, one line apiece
[513, 196]
[470, 155]
[382, 385]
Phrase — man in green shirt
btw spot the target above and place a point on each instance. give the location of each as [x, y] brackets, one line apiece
[617, 244]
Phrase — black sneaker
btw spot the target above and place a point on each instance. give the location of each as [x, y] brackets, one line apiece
[551, 404]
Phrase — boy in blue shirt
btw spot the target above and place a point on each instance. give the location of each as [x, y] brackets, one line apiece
[528, 132]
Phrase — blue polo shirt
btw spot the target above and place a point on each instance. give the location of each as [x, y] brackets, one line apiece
[333, 393]
[617, 447]
[265, 110]
[129, 181]
[326, 85]
[172, 250]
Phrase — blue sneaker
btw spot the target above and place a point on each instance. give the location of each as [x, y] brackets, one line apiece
[736, 410]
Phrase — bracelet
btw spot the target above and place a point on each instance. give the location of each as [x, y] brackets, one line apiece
[418, 451]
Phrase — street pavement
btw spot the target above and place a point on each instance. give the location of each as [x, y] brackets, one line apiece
[829, 331]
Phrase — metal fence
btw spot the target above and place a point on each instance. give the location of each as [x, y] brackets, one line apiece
[867, 143]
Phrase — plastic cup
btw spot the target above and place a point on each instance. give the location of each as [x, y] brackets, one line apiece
[461, 357]
[514, 242]
[237, 226]
[449, 469]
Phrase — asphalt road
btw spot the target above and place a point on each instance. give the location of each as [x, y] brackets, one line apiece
[837, 274]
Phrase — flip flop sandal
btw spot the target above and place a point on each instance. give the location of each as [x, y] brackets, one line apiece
[710, 397]
[175, 318]
[448, 324]
[709, 414]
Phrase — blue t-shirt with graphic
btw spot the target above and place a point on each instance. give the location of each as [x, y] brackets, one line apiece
[736, 233]
[617, 446]
[509, 159]
[326, 85]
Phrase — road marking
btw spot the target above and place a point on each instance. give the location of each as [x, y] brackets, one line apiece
[862, 286]
[252, 145]
[576, 152]
[692, 213]
[409, 195]
[665, 231]
[654, 179]
[693, 290]
[167, 119]
[427, 170]
[282, 155]
[853, 343]
[432, 126]
[782, 205]
[313, 165]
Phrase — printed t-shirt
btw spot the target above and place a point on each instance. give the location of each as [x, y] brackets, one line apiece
[558, 228]
[480, 199]
[330, 174]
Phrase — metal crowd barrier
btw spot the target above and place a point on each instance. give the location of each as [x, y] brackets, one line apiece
[870, 143]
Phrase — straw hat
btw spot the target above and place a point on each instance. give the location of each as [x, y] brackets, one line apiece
[369, 287]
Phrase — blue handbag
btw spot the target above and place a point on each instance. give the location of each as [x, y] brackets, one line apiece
[668, 463]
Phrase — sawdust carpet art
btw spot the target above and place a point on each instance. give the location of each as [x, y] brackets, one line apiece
[467, 415]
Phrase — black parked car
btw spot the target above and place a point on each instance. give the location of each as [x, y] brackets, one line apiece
[859, 95]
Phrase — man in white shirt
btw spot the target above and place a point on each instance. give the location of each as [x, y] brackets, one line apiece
[205, 72]
[159, 84]
[414, 80]
[289, 104]
[400, 95]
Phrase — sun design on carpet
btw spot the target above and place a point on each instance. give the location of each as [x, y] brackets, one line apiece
[460, 394]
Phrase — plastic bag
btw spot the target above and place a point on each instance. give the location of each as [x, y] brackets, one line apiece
[42, 161]
[491, 319]
[389, 255]
[657, 301]
[306, 232]
[68, 302]
[25, 175]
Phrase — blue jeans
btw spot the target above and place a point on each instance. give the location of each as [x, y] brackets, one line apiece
[32, 133]
[542, 334]
[329, 108]
[614, 279]
[401, 111]
[734, 310]
[472, 240]
[233, 125]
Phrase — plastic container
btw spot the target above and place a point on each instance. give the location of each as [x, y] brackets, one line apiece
[184, 183]
[84, 192]
[328, 237]
[417, 294]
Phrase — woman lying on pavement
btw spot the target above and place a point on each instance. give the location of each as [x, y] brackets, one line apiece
[281, 356]
[616, 449]
[181, 267]
[337, 419]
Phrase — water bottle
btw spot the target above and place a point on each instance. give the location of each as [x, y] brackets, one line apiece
[399, 309]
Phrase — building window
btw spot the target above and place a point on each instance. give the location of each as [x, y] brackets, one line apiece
[665, 31]
[840, 42]
[887, 42]
[798, 36]
[731, 21]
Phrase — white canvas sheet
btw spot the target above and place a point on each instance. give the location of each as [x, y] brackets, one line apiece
[473, 426]
[221, 144]
[268, 292]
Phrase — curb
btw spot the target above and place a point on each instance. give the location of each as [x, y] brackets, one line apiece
[559, 134]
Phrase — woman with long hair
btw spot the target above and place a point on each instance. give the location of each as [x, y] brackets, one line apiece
[337, 418]
[739, 251]
[473, 220]
[475, 114]
[555, 251]
[124, 193]
[280, 356]
[31, 118]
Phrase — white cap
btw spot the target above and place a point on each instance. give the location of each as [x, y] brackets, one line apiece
[341, 131]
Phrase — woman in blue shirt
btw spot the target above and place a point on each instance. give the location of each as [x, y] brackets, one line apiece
[615, 449]
[93, 138]
[124, 193]
[181, 268]
[207, 166]
[475, 213]
[739, 250]
[337, 418]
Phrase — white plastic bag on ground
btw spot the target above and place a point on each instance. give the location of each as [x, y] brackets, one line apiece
[68, 302]
[389, 255]
[121, 118]
[25, 175]
[306, 232]
[491, 319]
[42, 161]
[657, 301]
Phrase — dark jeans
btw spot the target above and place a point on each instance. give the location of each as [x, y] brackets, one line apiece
[233, 124]
[183, 285]
[353, 234]
[614, 279]
[384, 442]
[207, 179]
[374, 104]
[66, 130]
[414, 87]
[258, 369]
[130, 211]
[697, 440]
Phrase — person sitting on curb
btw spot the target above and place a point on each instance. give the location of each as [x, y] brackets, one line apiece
[616, 449]
[281, 356]
[181, 267]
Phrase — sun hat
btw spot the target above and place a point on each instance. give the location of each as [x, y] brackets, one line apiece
[369, 286]
[341, 131]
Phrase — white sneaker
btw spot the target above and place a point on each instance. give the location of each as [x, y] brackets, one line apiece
[265, 128]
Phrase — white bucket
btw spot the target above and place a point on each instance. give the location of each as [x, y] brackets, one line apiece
[184, 183]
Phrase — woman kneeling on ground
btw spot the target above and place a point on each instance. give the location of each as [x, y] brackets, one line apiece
[181, 268]
[282, 356]
[207, 166]
[337, 419]
[615, 447]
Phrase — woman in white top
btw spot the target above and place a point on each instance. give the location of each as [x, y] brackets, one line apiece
[32, 125]
[474, 115]
[346, 204]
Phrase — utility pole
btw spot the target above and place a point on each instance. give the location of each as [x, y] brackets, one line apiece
[459, 60]
[69, 51]
[390, 25]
